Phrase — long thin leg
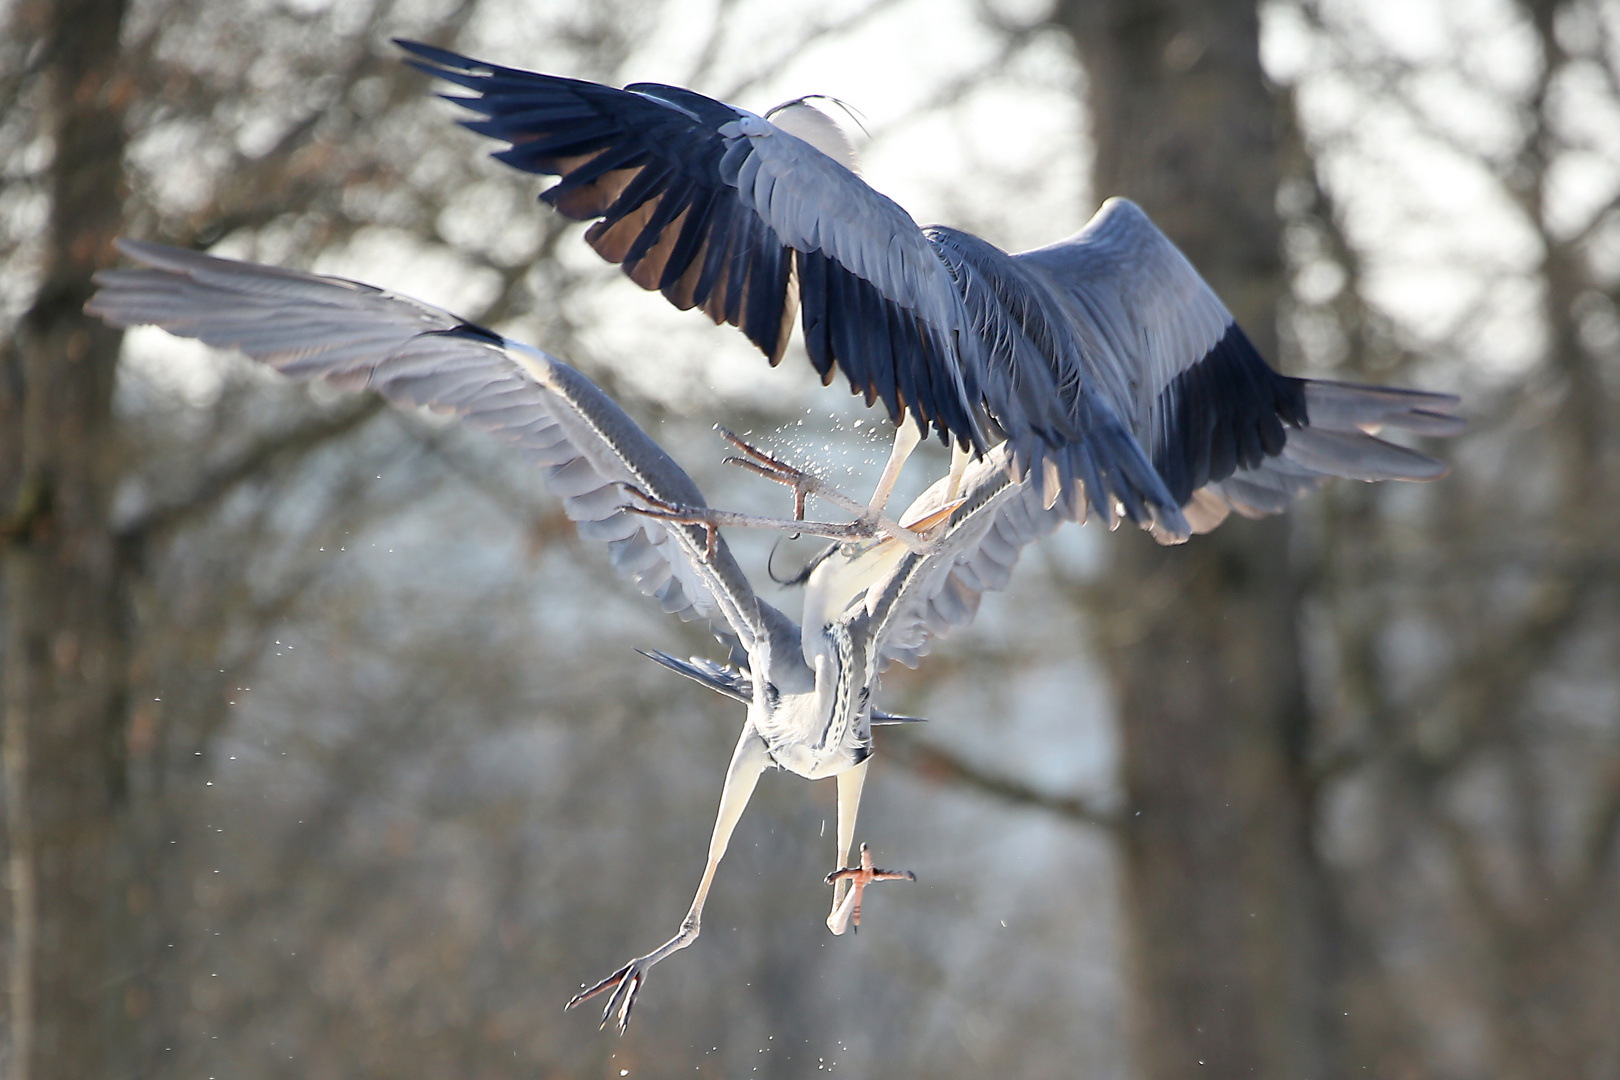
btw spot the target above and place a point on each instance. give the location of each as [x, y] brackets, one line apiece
[850, 782]
[959, 464]
[906, 438]
[747, 762]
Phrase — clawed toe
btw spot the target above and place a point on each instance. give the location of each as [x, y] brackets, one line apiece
[711, 521]
[624, 984]
[757, 461]
[654, 507]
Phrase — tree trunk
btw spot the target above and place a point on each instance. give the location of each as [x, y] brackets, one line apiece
[64, 614]
[1229, 943]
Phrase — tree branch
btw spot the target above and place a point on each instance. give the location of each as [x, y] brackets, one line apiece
[941, 766]
[216, 485]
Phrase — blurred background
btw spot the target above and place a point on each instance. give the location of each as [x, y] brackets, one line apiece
[326, 750]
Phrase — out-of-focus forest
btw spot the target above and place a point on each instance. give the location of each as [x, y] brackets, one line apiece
[326, 750]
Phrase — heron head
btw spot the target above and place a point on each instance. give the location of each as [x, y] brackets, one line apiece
[804, 120]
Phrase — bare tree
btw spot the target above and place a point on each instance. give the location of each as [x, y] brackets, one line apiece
[1374, 762]
[360, 802]
[338, 720]
[1230, 946]
[1470, 779]
[66, 638]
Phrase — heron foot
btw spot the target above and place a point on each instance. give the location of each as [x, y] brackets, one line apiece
[624, 984]
[712, 520]
[869, 520]
[846, 911]
[771, 467]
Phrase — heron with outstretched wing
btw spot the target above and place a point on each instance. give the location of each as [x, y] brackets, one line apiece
[808, 689]
[1111, 369]
[872, 599]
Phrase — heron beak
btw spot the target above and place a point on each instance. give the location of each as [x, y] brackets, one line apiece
[937, 517]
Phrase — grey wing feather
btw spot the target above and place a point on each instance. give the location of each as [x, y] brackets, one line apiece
[1058, 419]
[927, 596]
[1222, 428]
[1341, 441]
[356, 336]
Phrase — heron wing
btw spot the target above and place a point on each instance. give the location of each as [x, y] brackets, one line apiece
[1163, 349]
[1060, 424]
[358, 337]
[927, 596]
[1338, 441]
[720, 209]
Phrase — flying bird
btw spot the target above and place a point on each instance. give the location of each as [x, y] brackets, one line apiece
[870, 600]
[808, 686]
[1112, 371]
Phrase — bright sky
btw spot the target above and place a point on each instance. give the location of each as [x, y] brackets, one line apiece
[1008, 157]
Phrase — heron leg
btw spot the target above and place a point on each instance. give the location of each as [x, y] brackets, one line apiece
[906, 438]
[713, 520]
[959, 464]
[747, 762]
[850, 782]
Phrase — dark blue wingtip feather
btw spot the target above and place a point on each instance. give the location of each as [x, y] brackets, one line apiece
[1227, 411]
[451, 67]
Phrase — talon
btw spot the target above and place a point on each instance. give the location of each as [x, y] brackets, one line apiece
[631, 489]
[748, 448]
[800, 482]
[804, 484]
[661, 510]
[625, 983]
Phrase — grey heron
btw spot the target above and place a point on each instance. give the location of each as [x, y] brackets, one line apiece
[871, 601]
[808, 689]
[1112, 370]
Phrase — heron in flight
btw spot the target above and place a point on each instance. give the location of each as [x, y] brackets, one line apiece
[808, 689]
[870, 600]
[1110, 368]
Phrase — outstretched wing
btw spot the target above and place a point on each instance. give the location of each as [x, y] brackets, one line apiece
[358, 337]
[721, 209]
[1219, 424]
[928, 596]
